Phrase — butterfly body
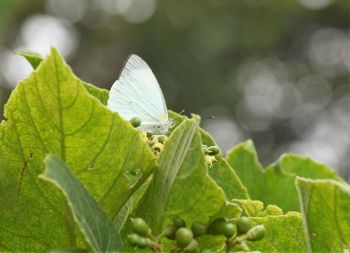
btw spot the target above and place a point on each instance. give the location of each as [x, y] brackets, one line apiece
[137, 94]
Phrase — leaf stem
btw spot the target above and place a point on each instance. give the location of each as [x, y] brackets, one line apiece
[230, 244]
[155, 247]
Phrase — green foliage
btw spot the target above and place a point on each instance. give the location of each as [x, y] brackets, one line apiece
[181, 184]
[51, 112]
[325, 206]
[32, 57]
[98, 230]
[108, 173]
[284, 233]
[275, 184]
[255, 208]
[224, 175]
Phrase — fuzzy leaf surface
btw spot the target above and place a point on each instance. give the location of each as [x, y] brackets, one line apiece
[284, 233]
[325, 206]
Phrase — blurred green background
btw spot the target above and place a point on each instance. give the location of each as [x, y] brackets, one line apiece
[273, 71]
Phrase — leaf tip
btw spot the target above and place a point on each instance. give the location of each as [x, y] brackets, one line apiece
[54, 53]
[26, 53]
[32, 57]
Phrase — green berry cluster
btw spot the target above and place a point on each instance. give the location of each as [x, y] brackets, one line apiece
[235, 232]
[184, 237]
[141, 233]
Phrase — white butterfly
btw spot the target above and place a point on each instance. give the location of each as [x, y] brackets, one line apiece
[137, 94]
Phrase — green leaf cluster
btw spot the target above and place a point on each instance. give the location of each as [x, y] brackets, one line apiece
[72, 173]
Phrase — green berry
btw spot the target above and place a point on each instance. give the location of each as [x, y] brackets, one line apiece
[179, 222]
[162, 138]
[183, 237]
[135, 122]
[132, 239]
[198, 228]
[170, 231]
[138, 241]
[243, 225]
[229, 230]
[256, 233]
[140, 227]
[216, 227]
[142, 243]
[192, 247]
[213, 150]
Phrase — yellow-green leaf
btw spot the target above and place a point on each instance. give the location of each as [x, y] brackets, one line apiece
[275, 184]
[284, 233]
[96, 227]
[325, 206]
[52, 112]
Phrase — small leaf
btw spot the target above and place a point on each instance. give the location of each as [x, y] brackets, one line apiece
[97, 229]
[229, 210]
[32, 57]
[255, 208]
[284, 233]
[325, 206]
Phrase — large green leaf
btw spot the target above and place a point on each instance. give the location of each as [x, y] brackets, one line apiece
[181, 185]
[221, 171]
[325, 206]
[96, 227]
[274, 185]
[52, 112]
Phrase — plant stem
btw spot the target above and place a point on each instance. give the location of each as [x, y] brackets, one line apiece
[155, 247]
[236, 241]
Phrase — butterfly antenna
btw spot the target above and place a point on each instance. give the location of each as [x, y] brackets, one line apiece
[182, 111]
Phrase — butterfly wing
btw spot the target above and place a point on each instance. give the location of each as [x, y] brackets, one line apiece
[137, 94]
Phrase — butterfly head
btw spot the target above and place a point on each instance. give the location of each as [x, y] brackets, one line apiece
[162, 128]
